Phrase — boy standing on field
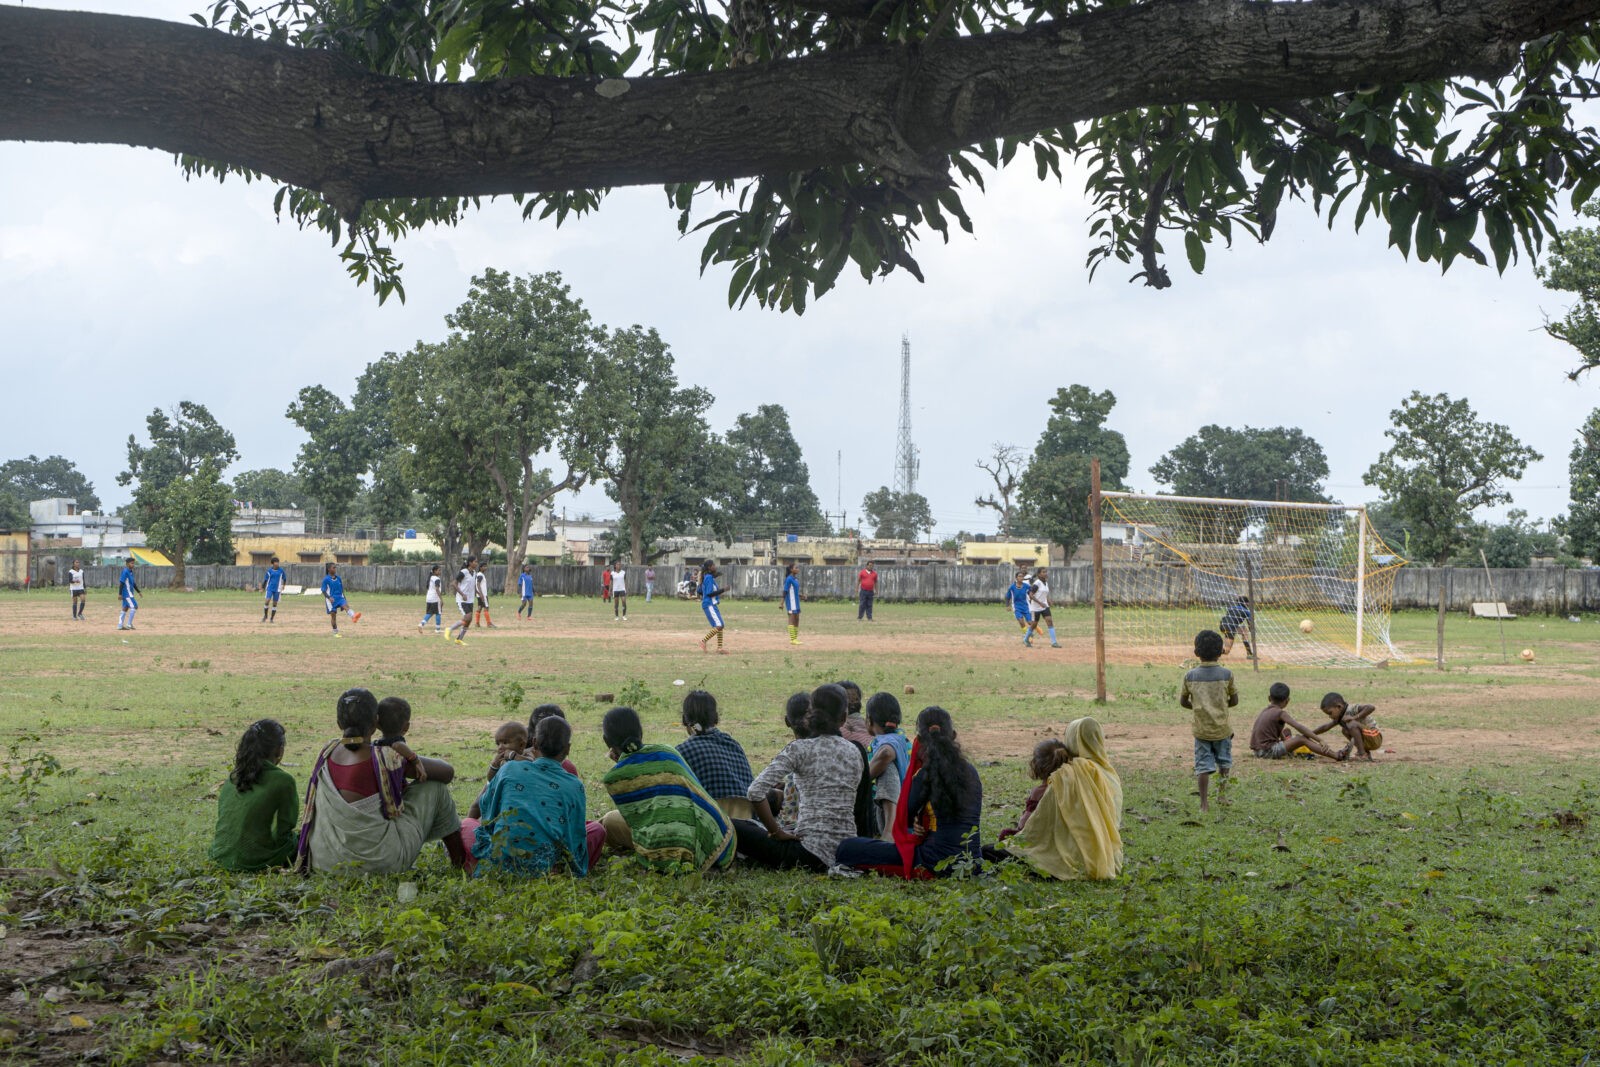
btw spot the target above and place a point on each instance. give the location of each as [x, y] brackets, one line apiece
[1209, 692]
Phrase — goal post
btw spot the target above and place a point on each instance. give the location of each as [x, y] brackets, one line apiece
[1304, 583]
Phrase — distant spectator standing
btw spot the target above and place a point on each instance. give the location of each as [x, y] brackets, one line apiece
[649, 584]
[867, 581]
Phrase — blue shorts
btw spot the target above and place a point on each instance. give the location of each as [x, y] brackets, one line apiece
[1212, 756]
[335, 605]
[713, 615]
[272, 598]
[1023, 616]
[129, 602]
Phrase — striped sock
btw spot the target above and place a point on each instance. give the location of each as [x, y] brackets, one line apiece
[709, 634]
[719, 638]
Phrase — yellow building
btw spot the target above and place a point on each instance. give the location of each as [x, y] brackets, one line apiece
[1014, 553]
[258, 551]
[13, 557]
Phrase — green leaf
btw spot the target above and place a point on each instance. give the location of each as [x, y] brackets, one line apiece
[1197, 251]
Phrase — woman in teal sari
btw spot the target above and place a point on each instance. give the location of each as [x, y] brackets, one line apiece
[663, 816]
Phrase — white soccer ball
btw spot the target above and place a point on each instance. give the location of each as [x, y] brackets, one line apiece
[1527, 654]
[1306, 626]
[677, 681]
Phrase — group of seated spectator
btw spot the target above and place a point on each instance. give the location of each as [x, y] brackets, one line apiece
[850, 794]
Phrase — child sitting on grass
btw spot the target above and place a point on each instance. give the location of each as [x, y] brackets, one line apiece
[1208, 691]
[547, 711]
[258, 807]
[1048, 755]
[797, 717]
[1276, 735]
[510, 743]
[890, 757]
[1355, 722]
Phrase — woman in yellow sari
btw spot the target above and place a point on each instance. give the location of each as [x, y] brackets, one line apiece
[1076, 831]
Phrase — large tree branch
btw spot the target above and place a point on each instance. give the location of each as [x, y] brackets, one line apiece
[316, 120]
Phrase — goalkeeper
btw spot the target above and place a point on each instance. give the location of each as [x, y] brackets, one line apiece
[1236, 622]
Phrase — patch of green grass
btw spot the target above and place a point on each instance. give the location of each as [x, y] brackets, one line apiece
[1435, 907]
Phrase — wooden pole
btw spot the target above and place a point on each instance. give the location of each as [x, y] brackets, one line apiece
[1098, 550]
[1444, 579]
[1505, 656]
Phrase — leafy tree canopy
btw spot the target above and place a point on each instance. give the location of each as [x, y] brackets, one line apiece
[1444, 464]
[270, 488]
[804, 137]
[1574, 267]
[1054, 490]
[1582, 525]
[1249, 464]
[33, 478]
[897, 516]
[180, 500]
[663, 467]
[773, 494]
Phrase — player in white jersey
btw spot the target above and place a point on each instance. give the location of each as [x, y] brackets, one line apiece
[75, 580]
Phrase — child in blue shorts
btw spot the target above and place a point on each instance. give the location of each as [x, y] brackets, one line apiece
[1209, 692]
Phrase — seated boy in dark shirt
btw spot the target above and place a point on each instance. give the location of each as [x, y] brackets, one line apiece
[1276, 735]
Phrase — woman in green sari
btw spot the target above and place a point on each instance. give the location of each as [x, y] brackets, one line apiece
[663, 816]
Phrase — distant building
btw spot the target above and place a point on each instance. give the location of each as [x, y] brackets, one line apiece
[250, 521]
[98, 538]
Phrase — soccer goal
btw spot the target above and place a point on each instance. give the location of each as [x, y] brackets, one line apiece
[1308, 584]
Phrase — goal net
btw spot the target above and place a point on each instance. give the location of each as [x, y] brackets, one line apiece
[1303, 583]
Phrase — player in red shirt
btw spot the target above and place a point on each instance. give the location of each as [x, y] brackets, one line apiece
[868, 582]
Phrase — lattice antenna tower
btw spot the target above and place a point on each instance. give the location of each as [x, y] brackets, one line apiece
[906, 463]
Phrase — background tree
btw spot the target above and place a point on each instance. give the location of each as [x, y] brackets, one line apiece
[897, 516]
[270, 488]
[1573, 266]
[1005, 467]
[1054, 490]
[1582, 525]
[180, 499]
[33, 478]
[1510, 544]
[1280, 463]
[516, 381]
[334, 456]
[1187, 118]
[349, 464]
[664, 469]
[14, 514]
[456, 496]
[1443, 465]
[773, 491]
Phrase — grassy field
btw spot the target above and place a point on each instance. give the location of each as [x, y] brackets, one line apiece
[1436, 906]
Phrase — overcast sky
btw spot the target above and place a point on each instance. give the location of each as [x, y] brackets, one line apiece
[123, 288]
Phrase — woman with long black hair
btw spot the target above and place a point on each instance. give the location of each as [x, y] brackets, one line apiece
[936, 826]
[258, 810]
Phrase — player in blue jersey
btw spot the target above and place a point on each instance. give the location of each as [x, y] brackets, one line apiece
[272, 585]
[710, 598]
[791, 600]
[127, 589]
[525, 590]
[1236, 623]
[1017, 597]
[333, 596]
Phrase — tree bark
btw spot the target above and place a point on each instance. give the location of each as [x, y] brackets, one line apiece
[317, 120]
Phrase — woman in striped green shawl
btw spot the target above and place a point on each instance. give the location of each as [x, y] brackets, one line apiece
[663, 815]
